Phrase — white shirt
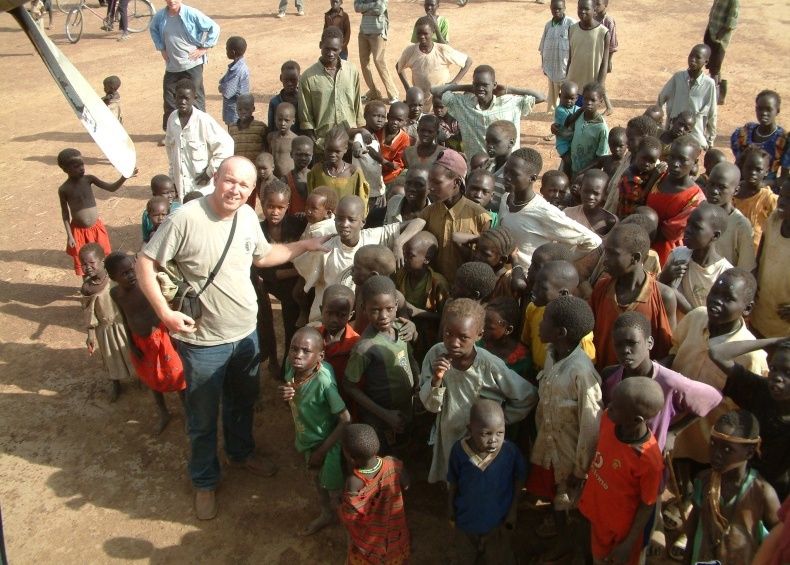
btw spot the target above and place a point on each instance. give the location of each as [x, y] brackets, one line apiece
[371, 168]
[200, 145]
[699, 98]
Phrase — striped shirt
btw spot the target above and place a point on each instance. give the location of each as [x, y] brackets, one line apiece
[555, 48]
[375, 20]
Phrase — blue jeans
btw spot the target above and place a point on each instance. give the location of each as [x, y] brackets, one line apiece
[226, 373]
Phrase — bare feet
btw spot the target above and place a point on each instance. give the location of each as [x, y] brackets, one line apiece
[115, 390]
[324, 520]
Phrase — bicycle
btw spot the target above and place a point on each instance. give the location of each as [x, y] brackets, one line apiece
[139, 14]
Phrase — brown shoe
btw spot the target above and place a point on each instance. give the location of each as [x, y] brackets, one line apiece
[205, 504]
[255, 464]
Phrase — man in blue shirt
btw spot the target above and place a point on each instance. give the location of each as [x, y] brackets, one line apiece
[183, 35]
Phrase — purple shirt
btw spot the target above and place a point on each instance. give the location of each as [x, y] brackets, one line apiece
[681, 395]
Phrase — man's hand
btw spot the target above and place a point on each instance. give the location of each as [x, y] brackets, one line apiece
[197, 53]
[178, 322]
[317, 243]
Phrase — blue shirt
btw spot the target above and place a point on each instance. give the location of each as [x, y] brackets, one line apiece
[201, 30]
[563, 141]
[234, 83]
[484, 496]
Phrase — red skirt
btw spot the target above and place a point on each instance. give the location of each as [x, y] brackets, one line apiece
[97, 233]
[540, 482]
[160, 367]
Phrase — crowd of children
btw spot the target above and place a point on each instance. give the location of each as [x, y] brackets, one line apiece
[589, 340]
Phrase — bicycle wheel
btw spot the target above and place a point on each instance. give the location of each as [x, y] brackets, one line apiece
[74, 25]
[139, 14]
[66, 6]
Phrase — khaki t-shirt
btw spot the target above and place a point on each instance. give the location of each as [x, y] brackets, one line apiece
[194, 239]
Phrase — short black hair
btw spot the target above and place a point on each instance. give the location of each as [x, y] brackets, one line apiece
[615, 132]
[290, 66]
[531, 157]
[742, 423]
[714, 214]
[553, 174]
[713, 157]
[632, 319]
[646, 222]
[337, 133]
[428, 240]
[554, 251]
[194, 195]
[643, 393]
[430, 120]
[331, 32]
[369, 106]
[282, 106]
[508, 309]
[158, 180]
[770, 94]
[749, 282]
[423, 21]
[334, 291]
[481, 172]
[154, 200]
[477, 278]
[113, 82]
[379, 258]
[688, 141]
[313, 333]
[635, 238]
[754, 150]
[302, 140]
[360, 441]
[650, 142]
[598, 174]
[276, 188]
[67, 155]
[644, 125]
[573, 314]
[93, 248]
[465, 308]
[594, 86]
[185, 84]
[114, 260]
[329, 194]
[238, 44]
[502, 238]
[485, 69]
[378, 285]
[505, 126]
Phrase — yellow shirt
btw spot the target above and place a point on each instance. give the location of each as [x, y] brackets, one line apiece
[772, 281]
[757, 208]
[530, 336]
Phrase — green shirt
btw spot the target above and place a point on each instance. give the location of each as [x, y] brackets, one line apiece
[315, 407]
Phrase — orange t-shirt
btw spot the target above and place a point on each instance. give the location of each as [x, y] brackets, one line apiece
[621, 476]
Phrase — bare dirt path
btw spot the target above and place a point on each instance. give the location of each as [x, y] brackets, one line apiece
[83, 481]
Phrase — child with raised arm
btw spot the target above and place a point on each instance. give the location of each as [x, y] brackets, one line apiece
[485, 475]
[675, 196]
[554, 48]
[153, 355]
[766, 134]
[296, 179]
[456, 373]
[590, 212]
[622, 488]
[103, 319]
[280, 139]
[640, 177]
[371, 507]
[236, 80]
[755, 200]
[732, 503]
[319, 415]
[289, 78]
[426, 147]
[78, 206]
[344, 178]
[590, 132]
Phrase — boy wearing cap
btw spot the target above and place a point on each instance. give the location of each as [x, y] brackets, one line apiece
[452, 218]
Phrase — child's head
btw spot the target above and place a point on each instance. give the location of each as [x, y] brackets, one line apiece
[475, 280]
[625, 249]
[683, 154]
[593, 94]
[416, 187]
[320, 204]
[120, 268]
[289, 76]
[439, 109]
[306, 350]
[722, 183]
[647, 220]
[235, 47]
[478, 161]
[779, 372]
[427, 130]
[380, 301]
[557, 8]
[731, 297]
[632, 339]
[349, 219]
[158, 207]
[446, 179]
[733, 440]
[397, 117]
[264, 163]
[522, 169]
[551, 251]
[585, 9]
[111, 84]
[419, 251]
[335, 5]
[486, 426]
[301, 152]
[767, 106]
[682, 124]
[415, 98]
[480, 187]
[500, 138]
[712, 158]
[92, 259]
[284, 117]
[430, 6]
[705, 226]
[337, 307]
[423, 31]
[698, 59]
[275, 201]
[618, 142]
[569, 93]
[655, 113]
[371, 260]
[375, 115]
[637, 129]
[754, 167]
[554, 279]
[554, 187]
[463, 326]
[635, 400]
[647, 155]
[483, 84]
[360, 444]
[70, 161]
[502, 317]
[593, 188]
[245, 107]
[162, 185]
[494, 247]
[600, 9]
[566, 321]
[335, 146]
[185, 94]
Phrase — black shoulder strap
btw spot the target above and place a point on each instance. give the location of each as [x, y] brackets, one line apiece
[217, 267]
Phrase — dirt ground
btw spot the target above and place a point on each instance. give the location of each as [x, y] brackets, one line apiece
[85, 481]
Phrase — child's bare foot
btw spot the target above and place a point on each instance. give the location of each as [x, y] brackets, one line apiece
[115, 390]
[164, 420]
[324, 520]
